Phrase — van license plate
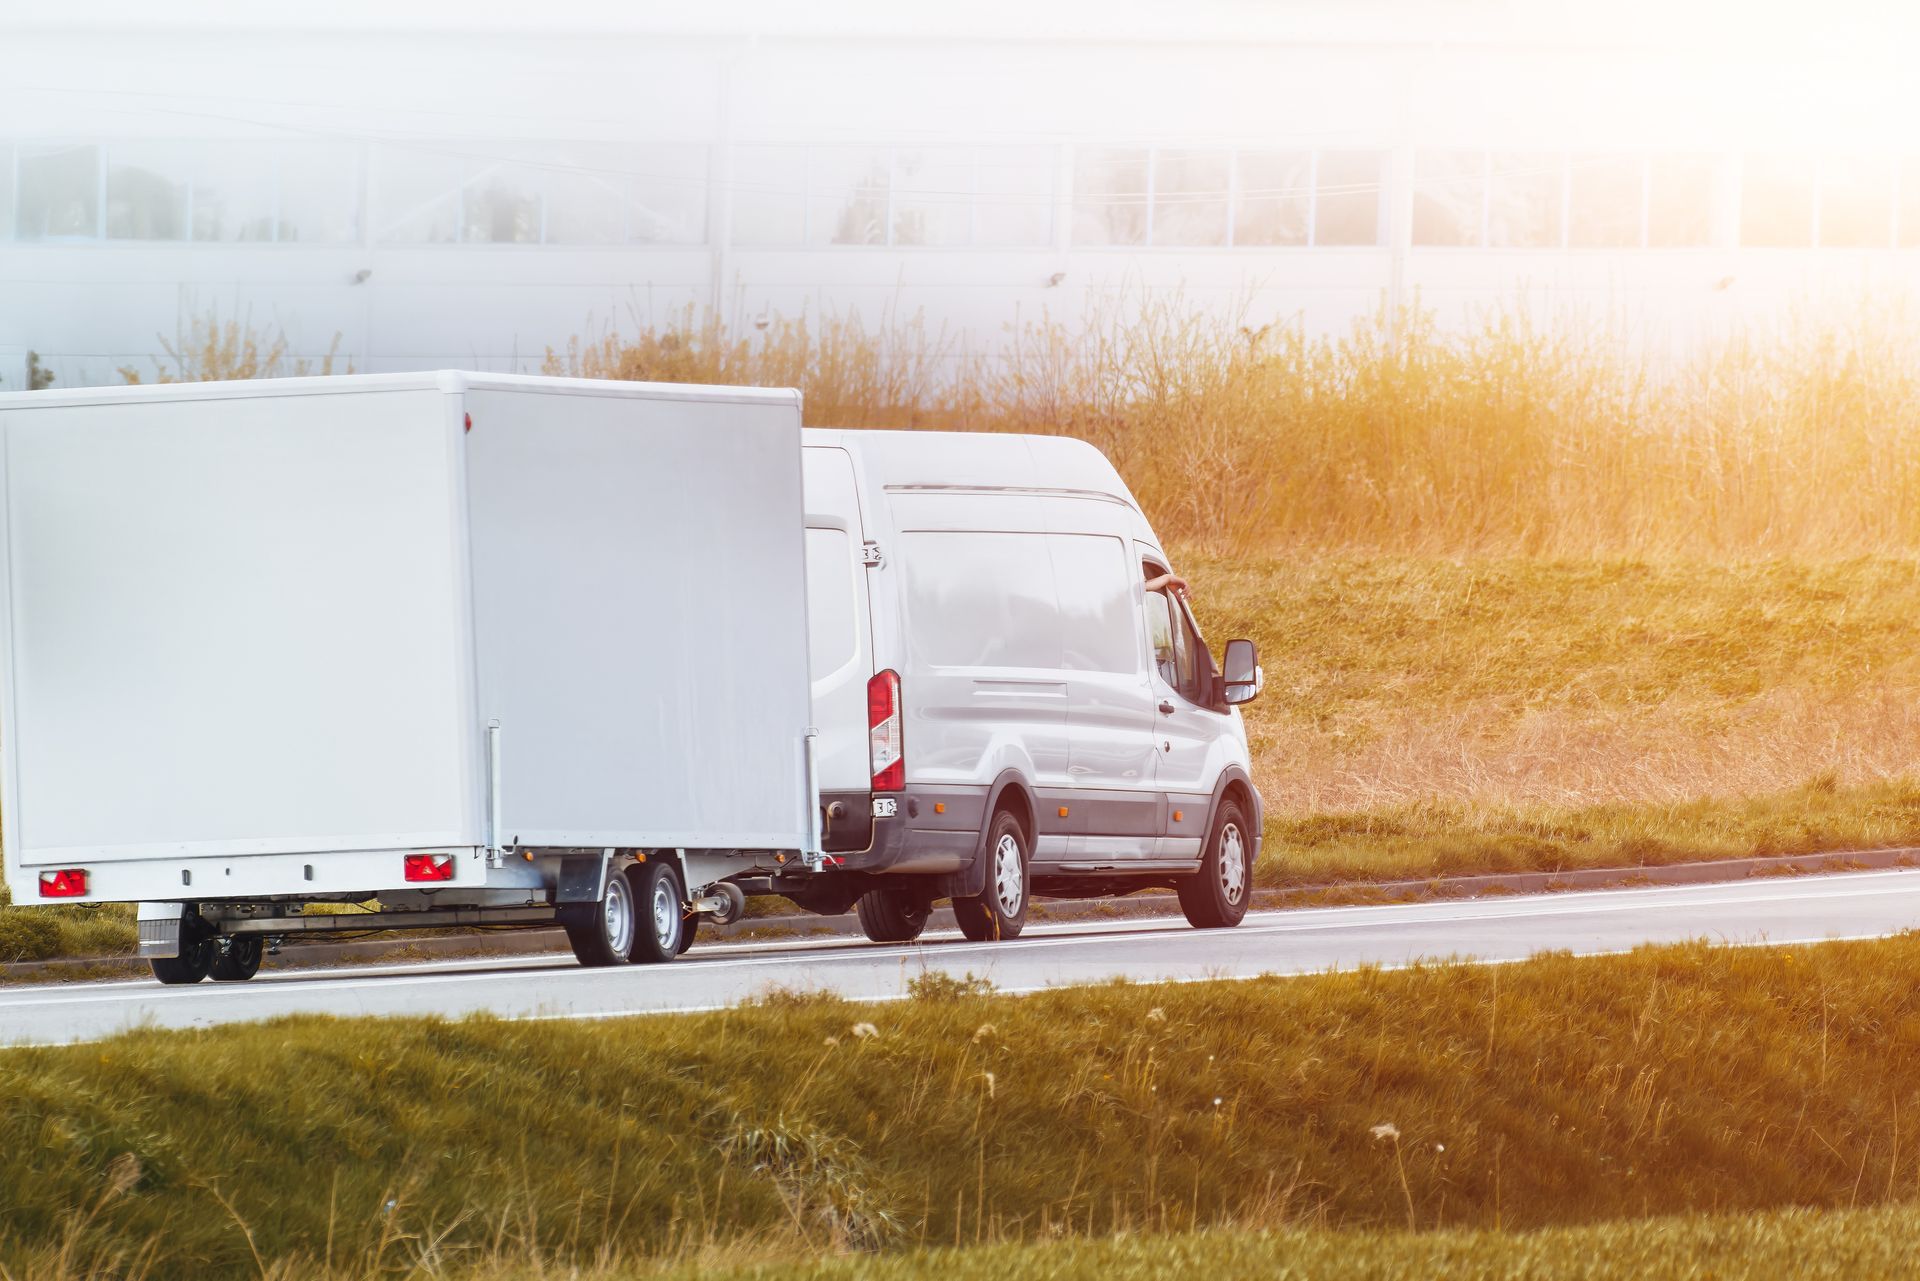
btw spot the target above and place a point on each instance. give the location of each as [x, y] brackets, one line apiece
[885, 807]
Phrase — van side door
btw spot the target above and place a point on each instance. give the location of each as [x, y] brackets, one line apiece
[1187, 731]
[1115, 798]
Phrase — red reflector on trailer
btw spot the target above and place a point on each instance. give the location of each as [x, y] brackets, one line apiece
[429, 867]
[70, 882]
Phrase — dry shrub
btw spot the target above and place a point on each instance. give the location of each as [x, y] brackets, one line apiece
[1507, 437]
[207, 349]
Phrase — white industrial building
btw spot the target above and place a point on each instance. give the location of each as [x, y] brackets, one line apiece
[442, 187]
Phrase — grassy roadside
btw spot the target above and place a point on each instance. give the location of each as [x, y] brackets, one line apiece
[1805, 1244]
[1428, 716]
[1556, 1092]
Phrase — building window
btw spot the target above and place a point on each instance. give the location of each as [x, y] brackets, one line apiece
[6, 192]
[1776, 201]
[1606, 200]
[1191, 198]
[769, 189]
[1275, 198]
[1110, 196]
[1856, 201]
[1679, 201]
[547, 193]
[1013, 196]
[901, 196]
[1349, 193]
[848, 192]
[1192, 193]
[1525, 195]
[933, 196]
[147, 188]
[1449, 197]
[319, 194]
[59, 196]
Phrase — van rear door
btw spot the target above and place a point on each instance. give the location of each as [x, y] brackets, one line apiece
[840, 641]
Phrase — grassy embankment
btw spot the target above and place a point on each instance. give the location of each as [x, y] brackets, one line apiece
[1526, 601]
[1553, 1093]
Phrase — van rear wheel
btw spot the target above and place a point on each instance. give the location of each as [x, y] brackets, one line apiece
[1216, 896]
[891, 915]
[1000, 910]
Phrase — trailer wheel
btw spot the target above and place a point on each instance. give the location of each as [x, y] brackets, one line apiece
[1216, 896]
[602, 933]
[193, 964]
[663, 915]
[239, 960]
[1000, 910]
[891, 915]
[689, 926]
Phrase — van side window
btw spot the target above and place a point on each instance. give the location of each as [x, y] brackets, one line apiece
[1160, 635]
[1186, 666]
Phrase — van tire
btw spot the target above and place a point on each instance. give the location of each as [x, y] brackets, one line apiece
[603, 933]
[240, 960]
[891, 915]
[194, 963]
[661, 903]
[1216, 896]
[999, 911]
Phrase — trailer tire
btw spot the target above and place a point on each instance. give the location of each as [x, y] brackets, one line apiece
[1216, 896]
[891, 915]
[239, 960]
[193, 964]
[999, 911]
[689, 926]
[603, 933]
[662, 917]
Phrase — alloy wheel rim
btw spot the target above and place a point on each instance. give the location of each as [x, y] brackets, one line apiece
[618, 914]
[1009, 884]
[1233, 863]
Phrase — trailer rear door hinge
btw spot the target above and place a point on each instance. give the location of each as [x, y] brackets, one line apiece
[870, 554]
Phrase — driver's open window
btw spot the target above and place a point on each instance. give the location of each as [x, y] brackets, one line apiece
[1164, 630]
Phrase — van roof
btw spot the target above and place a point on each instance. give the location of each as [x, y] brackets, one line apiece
[979, 460]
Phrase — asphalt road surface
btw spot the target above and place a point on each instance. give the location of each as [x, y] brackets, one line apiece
[1775, 911]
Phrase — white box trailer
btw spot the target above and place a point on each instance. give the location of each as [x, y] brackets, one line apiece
[492, 649]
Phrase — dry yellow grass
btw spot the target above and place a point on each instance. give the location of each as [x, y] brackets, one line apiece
[1797, 438]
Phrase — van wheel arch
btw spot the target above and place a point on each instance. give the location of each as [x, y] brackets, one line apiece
[1009, 792]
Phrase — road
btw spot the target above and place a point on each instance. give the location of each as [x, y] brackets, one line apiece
[1774, 911]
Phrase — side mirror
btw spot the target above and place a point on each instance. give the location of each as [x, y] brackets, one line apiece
[1240, 675]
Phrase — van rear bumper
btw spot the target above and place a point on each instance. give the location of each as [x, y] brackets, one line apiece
[934, 828]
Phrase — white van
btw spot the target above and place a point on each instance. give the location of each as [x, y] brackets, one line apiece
[1005, 705]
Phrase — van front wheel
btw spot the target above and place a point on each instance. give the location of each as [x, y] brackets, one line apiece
[1216, 896]
[891, 916]
[1000, 910]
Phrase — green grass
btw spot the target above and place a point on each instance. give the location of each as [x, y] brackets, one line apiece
[1797, 1243]
[1552, 1093]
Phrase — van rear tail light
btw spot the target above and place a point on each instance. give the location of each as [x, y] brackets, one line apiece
[885, 747]
[69, 882]
[429, 867]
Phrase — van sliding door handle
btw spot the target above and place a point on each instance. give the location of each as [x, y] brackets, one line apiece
[1166, 707]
